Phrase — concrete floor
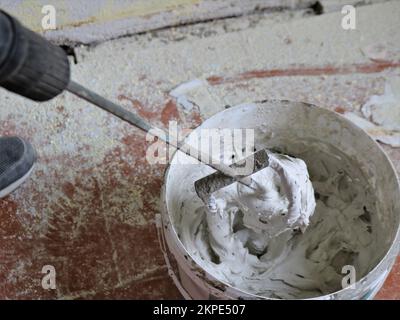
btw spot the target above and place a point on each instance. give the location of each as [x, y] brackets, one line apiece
[89, 209]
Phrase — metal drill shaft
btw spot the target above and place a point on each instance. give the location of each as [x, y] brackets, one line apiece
[138, 122]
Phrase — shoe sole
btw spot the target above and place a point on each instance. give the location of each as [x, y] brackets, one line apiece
[5, 192]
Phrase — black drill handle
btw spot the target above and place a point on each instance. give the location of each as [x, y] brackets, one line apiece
[30, 65]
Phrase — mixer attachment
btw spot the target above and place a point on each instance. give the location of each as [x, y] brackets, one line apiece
[209, 184]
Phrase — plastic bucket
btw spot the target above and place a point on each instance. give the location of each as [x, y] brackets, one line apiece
[301, 122]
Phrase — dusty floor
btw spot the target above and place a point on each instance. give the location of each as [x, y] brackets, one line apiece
[90, 206]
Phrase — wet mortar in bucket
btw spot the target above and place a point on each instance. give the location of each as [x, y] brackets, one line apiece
[354, 231]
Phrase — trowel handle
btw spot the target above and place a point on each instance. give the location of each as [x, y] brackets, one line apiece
[30, 65]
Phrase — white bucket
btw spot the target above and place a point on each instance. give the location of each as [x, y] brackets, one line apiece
[301, 122]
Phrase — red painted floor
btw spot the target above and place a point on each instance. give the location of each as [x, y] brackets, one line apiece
[85, 228]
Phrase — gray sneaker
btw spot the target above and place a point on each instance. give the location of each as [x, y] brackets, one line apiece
[17, 158]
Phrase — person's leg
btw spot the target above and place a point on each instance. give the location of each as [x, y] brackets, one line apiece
[17, 158]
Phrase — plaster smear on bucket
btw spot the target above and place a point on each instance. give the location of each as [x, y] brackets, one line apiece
[286, 259]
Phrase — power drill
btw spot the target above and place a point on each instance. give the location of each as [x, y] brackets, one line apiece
[30, 65]
[33, 67]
